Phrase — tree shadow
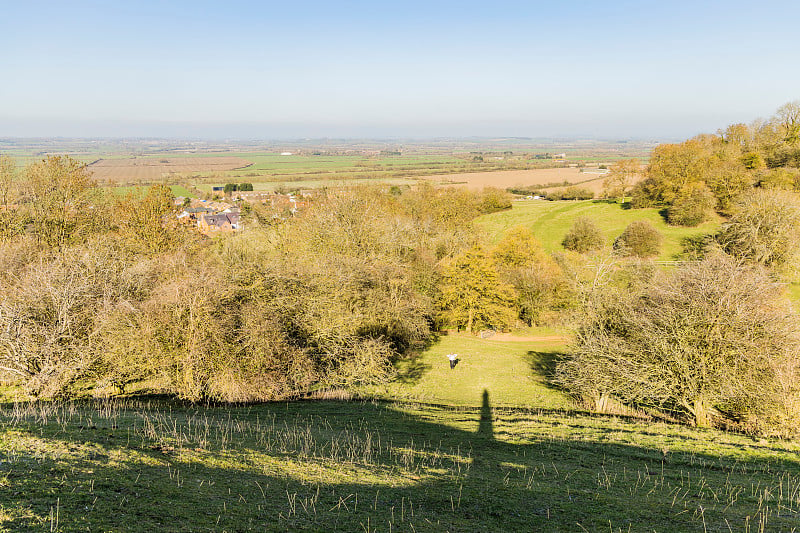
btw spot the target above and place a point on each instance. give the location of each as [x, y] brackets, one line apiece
[543, 364]
[411, 369]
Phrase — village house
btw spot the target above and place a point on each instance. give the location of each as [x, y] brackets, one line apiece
[221, 222]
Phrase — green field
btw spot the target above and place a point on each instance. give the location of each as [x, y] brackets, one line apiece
[550, 221]
[276, 167]
[313, 183]
[512, 372]
[177, 190]
[496, 450]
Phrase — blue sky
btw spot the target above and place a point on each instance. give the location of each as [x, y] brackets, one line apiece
[395, 69]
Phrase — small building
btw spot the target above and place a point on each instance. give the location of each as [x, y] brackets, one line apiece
[222, 222]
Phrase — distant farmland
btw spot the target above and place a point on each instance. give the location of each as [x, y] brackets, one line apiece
[154, 169]
[591, 178]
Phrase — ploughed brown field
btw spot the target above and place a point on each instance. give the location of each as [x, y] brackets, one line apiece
[590, 178]
[510, 178]
[154, 169]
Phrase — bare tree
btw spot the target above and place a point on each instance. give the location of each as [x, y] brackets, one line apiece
[764, 227]
[788, 119]
[711, 341]
[621, 178]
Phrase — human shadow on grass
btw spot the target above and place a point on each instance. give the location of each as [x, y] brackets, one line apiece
[426, 476]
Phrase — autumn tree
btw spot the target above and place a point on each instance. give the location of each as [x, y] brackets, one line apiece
[539, 282]
[693, 205]
[472, 294]
[621, 178]
[58, 193]
[671, 168]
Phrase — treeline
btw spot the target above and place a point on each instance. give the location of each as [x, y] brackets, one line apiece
[554, 191]
[708, 172]
[105, 292]
[713, 341]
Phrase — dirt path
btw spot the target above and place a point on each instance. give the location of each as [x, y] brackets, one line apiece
[508, 337]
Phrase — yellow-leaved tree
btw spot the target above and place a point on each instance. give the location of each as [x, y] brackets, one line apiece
[59, 193]
[473, 295]
[539, 282]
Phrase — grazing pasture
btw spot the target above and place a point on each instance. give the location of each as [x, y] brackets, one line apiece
[550, 221]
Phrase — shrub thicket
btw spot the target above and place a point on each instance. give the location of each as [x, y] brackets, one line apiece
[583, 236]
[713, 342]
[640, 238]
[764, 228]
[322, 300]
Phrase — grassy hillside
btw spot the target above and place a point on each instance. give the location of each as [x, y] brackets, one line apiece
[550, 221]
[151, 464]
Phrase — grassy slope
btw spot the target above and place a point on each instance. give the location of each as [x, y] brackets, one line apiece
[550, 221]
[477, 465]
[371, 466]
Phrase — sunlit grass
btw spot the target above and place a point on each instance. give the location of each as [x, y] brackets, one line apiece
[154, 465]
[550, 221]
[514, 373]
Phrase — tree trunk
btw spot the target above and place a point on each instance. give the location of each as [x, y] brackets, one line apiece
[702, 413]
[469, 320]
[601, 402]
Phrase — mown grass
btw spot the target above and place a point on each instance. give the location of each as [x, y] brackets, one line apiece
[516, 373]
[550, 221]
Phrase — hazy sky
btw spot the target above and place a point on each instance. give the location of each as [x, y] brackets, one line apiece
[327, 68]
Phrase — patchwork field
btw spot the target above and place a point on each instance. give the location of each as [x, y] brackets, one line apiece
[153, 169]
[510, 178]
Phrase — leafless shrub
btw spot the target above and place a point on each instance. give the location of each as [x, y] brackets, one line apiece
[713, 342]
